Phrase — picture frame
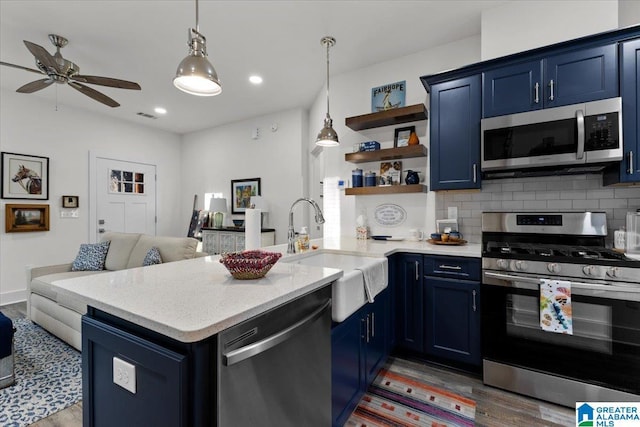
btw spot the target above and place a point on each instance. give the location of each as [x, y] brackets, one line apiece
[391, 172]
[388, 96]
[26, 217]
[69, 201]
[24, 176]
[401, 136]
[241, 192]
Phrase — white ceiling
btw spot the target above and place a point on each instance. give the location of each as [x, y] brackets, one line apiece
[143, 41]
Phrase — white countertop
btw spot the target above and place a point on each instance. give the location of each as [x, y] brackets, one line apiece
[195, 299]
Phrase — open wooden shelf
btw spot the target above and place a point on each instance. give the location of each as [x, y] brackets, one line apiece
[396, 116]
[390, 189]
[407, 152]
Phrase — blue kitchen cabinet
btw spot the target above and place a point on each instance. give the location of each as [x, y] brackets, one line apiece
[359, 348]
[409, 303]
[455, 134]
[452, 309]
[629, 169]
[567, 78]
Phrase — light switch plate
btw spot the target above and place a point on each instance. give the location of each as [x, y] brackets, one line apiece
[124, 374]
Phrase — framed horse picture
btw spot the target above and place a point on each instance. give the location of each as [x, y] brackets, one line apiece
[25, 176]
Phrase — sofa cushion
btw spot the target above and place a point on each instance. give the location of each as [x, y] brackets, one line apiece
[171, 249]
[120, 249]
[91, 257]
[41, 285]
[153, 257]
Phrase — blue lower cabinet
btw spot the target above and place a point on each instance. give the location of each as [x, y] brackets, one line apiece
[409, 302]
[359, 348]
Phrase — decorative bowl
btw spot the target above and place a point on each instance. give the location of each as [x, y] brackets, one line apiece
[436, 236]
[252, 264]
[238, 222]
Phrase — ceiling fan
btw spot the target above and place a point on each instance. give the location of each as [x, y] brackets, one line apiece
[60, 70]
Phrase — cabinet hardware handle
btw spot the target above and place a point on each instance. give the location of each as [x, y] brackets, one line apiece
[551, 93]
[475, 170]
[365, 328]
[474, 300]
[368, 328]
[417, 272]
[373, 325]
[580, 122]
[537, 93]
[450, 267]
[630, 170]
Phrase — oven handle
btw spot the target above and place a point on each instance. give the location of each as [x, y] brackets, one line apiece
[577, 285]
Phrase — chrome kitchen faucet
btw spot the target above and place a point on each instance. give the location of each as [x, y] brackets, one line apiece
[290, 233]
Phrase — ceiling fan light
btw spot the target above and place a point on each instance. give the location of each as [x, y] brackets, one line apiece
[196, 76]
[327, 137]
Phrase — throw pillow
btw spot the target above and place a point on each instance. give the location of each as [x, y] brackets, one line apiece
[153, 257]
[91, 257]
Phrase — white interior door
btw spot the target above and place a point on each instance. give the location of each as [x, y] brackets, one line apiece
[125, 197]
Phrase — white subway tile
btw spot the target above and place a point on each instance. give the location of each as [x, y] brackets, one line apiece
[586, 204]
[559, 204]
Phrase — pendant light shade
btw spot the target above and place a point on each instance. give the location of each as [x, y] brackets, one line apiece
[195, 74]
[327, 137]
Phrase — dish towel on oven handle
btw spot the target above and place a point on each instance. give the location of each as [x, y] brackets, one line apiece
[375, 277]
[555, 306]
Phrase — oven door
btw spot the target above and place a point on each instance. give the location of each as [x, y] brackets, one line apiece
[604, 349]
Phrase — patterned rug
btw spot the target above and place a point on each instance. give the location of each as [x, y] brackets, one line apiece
[399, 396]
[48, 377]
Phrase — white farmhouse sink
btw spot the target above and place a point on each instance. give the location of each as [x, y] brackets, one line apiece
[347, 293]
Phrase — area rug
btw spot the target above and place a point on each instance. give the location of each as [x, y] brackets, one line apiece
[48, 377]
[398, 398]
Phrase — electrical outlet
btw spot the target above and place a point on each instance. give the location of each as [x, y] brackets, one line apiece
[124, 374]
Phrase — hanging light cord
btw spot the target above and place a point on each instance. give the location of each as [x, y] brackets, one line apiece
[197, 20]
[328, 43]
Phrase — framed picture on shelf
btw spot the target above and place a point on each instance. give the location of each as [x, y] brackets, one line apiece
[388, 97]
[69, 201]
[401, 136]
[390, 173]
[25, 176]
[241, 192]
[26, 218]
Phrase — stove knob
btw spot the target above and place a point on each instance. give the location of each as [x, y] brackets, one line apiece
[521, 265]
[553, 267]
[613, 272]
[503, 264]
[590, 270]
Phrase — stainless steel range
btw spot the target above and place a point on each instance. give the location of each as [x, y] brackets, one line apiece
[560, 312]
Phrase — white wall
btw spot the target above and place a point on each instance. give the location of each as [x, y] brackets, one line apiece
[29, 125]
[351, 96]
[628, 13]
[213, 157]
[527, 24]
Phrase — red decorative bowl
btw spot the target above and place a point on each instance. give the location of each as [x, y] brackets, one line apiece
[247, 265]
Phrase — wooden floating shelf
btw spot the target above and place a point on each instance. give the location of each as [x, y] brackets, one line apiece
[391, 189]
[408, 152]
[396, 116]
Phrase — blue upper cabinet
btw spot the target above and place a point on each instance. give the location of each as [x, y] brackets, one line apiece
[567, 78]
[455, 134]
[629, 169]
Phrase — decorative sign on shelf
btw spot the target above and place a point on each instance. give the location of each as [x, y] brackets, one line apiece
[388, 97]
[390, 215]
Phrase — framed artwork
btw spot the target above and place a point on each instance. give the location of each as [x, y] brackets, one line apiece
[69, 201]
[25, 176]
[20, 218]
[401, 136]
[241, 192]
[390, 172]
[388, 97]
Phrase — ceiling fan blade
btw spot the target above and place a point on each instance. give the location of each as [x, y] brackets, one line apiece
[42, 55]
[34, 86]
[107, 81]
[92, 93]
[21, 67]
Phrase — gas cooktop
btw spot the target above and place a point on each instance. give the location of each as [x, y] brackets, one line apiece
[555, 253]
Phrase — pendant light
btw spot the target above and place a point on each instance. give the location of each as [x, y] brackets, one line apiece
[195, 74]
[327, 137]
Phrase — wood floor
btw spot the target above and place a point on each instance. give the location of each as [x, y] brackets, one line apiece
[495, 407]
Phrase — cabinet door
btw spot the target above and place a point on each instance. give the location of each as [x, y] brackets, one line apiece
[409, 303]
[455, 134]
[581, 76]
[512, 89]
[453, 319]
[240, 242]
[630, 89]
[377, 335]
[210, 242]
[227, 242]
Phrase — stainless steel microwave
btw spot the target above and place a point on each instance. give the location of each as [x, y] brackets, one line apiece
[579, 134]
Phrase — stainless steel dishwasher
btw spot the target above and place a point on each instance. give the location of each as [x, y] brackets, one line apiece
[275, 369]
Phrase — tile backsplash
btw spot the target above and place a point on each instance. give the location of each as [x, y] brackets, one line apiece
[556, 193]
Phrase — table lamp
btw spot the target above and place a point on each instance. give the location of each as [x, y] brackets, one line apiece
[219, 208]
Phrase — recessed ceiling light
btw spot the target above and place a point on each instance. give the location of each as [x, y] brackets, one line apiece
[160, 110]
[256, 80]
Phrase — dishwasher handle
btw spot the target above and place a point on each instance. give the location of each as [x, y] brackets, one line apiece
[242, 353]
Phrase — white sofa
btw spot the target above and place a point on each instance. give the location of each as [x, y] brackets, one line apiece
[61, 315]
